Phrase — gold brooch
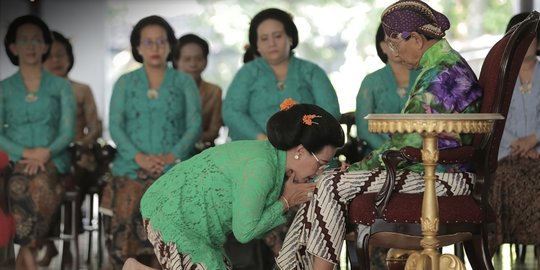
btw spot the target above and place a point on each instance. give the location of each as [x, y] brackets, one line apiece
[152, 94]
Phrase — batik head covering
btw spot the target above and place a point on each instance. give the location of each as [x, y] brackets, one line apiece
[407, 16]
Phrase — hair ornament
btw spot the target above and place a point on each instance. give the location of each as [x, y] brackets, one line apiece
[287, 104]
[308, 119]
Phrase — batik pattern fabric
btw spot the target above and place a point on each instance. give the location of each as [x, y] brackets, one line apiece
[254, 95]
[34, 202]
[446, 84]
[87, 124]
[515, 199]
[319, 225]
[233, 187]
[168, 256]
[126, 236]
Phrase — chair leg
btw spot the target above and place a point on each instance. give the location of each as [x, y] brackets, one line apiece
[89, 217]
[362, 247]
[351, 255]
[478, 253]
[99, 243]
[458, 251]
[522, 252]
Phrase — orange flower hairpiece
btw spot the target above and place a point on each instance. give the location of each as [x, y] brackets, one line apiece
[308, 119]
[287, 104]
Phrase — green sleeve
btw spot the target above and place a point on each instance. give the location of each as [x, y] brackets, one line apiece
[365, 103]
[117, 121]
[324, 93]
[67, 120]
[193, 119]
[236, 106]
[250, 193]
[13, 149]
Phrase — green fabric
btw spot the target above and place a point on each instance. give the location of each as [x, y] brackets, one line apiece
[47, 122]
[170, 123]
[378, 94]
[441, 67]
[231, 187]
[253, 96]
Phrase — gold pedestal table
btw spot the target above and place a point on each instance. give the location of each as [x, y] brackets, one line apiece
[429, 126]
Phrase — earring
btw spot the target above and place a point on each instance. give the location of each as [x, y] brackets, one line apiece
[296, 157]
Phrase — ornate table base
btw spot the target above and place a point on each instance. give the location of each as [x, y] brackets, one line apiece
[429, 126]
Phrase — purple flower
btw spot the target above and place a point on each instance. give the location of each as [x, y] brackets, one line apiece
[455, 88]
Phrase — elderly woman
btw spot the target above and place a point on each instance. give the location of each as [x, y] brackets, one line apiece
[415, 32]
[260, 85]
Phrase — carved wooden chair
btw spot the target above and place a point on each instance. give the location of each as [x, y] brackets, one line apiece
[394, 218]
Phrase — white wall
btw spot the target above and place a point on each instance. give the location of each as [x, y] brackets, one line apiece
[83, 23]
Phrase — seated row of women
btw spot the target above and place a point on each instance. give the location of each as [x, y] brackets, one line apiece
[157, 116]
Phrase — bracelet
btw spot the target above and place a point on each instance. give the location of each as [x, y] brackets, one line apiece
[286, 203]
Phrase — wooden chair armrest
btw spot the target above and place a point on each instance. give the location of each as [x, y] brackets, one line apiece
[391, 159]
[463, 154]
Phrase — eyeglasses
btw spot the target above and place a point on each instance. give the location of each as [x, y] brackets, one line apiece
[27, 42]
[160, 42]
[394, 40]
[322, 166]
[393, 44]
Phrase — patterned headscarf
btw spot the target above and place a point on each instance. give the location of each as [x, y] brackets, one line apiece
[406, 16]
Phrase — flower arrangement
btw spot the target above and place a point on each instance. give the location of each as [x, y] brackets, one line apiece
[308, 119]
[287, 104]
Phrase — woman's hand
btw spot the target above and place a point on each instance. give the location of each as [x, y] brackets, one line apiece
[152, 164]
[167, 158]
[297, 193]
[522, 145]
[32, 166]
[532, 154]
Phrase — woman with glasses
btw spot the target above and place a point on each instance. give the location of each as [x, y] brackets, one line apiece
[446, 84]
[243, 187]
[154, 120]
[37, 116]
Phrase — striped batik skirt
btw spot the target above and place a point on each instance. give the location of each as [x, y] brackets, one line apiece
[318, 228]
[168, 255]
